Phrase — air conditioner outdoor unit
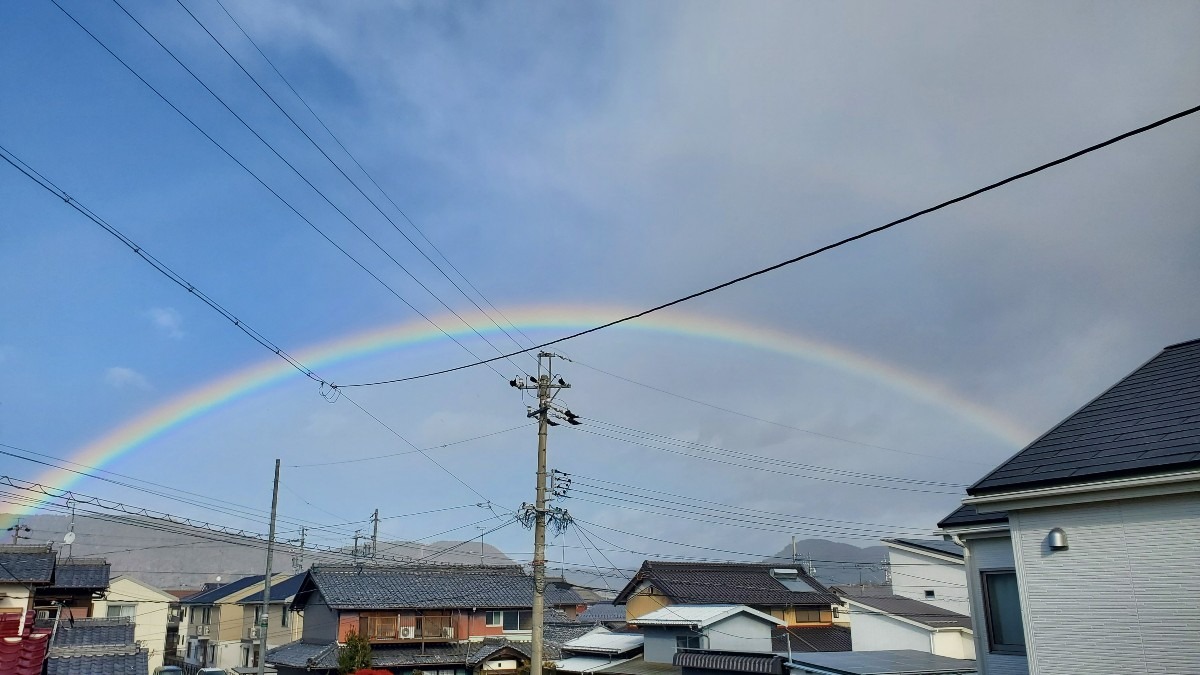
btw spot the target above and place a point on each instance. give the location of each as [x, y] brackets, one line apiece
[43, 614]
[202, 630]
[406, 632]
[447, 631]
[255, 633]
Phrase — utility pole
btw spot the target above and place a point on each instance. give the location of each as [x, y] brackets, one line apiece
[547, 388]
[16, 530]
[793, 549]
[264, 621]
[374, 533]
[298, 560]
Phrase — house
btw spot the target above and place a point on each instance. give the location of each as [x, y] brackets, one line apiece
[96, 646]
[929, 570]
[147, 607]
[598, 648]
[1081, 550]
[802, 604]
[432, 618]
[284, 626]
[23, 569]
[215, 623]
[882, 621]
[77, 583]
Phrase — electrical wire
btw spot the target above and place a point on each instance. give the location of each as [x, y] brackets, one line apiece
[804, 256]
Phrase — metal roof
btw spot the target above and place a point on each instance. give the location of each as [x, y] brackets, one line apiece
[942, 546]
[221, 592]
[280, 591]
[26, 564]
[885, 662]
[427, 587]
[639, 666]
[930, 616]
[1149, 422]
[967, 516]
[604, 641]
[699, 615]
[585, 664]
[761, 664]
[729, 583]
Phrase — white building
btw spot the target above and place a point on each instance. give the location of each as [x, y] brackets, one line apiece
[929, 570]
[148, 607]
[1082, 549]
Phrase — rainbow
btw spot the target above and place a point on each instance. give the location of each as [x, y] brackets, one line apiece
[229, 388]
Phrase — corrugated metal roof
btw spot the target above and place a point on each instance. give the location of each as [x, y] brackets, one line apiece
[1149, 422]
[727, 583]
[699, 615]
[602, 640]
[763, 664]
[640, 666]
[585, 664]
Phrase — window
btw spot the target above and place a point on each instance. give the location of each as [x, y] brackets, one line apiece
[687, 642]
[930, 595]
[1002, 606]
[117, 611]
[257, 615]
[200, 615]
[283, 617]
[382, 627]
[518, 620]
[493, 618]
[808, 615]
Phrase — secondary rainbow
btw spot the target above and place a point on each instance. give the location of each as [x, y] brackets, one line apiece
[224, 390]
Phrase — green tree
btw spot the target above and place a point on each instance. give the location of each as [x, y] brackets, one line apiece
[355, 654]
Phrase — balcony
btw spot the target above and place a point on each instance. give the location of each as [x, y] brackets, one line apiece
[390, 629]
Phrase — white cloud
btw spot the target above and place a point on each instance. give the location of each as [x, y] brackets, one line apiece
[168, 320]
[120, 377]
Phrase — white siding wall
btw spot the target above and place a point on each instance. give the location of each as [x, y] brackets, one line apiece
[954, 644]
[872, 632]
[913, 574]
[1123, 598]
[990, 554]
[740, 633]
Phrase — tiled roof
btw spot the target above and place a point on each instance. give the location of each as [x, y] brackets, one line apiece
[304, 655]
[93, 631]
[26, 564]
[443, 586]
[24, 655]
[725, 583]
[81, 573]
[923, 613]
[966, 516]
[942, 546]
[811, 639]
[135, 662]
[217, 593]
[1149, 422]
[602, 612]
[280, 591]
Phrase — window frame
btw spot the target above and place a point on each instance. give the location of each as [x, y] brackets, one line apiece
[685, 641]
[491, 614]
[132, 606]
[995, 647]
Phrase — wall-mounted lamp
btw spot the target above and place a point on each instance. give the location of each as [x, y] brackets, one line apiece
[1057, 539]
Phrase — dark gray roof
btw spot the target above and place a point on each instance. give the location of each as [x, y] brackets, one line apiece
[733, 662]
[279, 591]
[811, 639]
[943, 546]
[885, 662]
[907, 608]
[80, 574]
[724, 583]
[1148, 422]
[301, 654]
[966, 515]
[638, 665]
[93, 631]
[212, 595]
[26, 564]
[602, 612]
[428, 587]
[131, 663]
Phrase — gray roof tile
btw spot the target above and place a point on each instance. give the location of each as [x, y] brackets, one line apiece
[81, 573]
[602, 612]
[724, 583]
[93, 631]
[26, 564]
[1149, 422]
[443, 586]
[132, 663]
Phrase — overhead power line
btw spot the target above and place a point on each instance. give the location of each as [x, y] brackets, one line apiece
[803, 256]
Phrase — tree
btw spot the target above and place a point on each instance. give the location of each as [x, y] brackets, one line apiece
[355, 655]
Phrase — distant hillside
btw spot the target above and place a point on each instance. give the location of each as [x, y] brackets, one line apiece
[837, 563]
[140, 548]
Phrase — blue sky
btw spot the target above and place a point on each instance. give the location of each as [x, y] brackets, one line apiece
[583, 154]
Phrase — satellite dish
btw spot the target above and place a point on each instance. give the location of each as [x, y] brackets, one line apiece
[69, 538]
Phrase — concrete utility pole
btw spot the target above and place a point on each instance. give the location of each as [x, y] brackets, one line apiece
[16, 530]
[374, 533]
[263, 621]
[547, 388]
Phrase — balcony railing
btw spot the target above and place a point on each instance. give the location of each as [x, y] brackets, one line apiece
[386, 629]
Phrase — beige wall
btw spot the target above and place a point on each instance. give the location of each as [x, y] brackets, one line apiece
[644, 601]
[150, 613]
[13, 598]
